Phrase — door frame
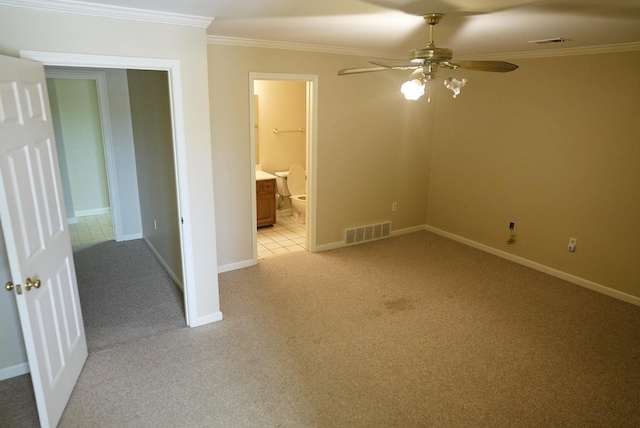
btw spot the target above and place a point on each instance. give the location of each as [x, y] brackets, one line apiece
[107, 141]
[172, 67]
[311, 139]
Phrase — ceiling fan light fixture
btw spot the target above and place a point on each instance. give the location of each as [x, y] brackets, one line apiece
[455, 85]
[413, 89]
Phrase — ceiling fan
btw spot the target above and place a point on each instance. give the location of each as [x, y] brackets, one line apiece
[425, 63]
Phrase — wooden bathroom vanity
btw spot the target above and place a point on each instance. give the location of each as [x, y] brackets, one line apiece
[266, 202]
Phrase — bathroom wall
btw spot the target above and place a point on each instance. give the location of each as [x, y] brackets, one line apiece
[281, 105]
[77, 106]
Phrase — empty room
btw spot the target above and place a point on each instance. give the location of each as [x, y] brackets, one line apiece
[472, 195]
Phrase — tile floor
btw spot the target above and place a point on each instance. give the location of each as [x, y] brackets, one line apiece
[286, 236]
[91, 230]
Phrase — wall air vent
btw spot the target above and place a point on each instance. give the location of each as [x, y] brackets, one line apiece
[372, 232]
[546, 41]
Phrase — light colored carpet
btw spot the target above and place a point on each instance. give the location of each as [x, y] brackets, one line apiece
[125, 294]
[414, 330]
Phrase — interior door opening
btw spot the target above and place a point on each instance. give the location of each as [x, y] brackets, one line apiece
[135, 107]
[283, 139]
[79, 116]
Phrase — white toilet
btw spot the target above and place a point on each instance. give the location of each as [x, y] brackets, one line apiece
[293, 183]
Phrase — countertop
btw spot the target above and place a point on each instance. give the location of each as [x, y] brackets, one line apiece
[263, 175]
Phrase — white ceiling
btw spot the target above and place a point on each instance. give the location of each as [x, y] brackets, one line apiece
[472, 28]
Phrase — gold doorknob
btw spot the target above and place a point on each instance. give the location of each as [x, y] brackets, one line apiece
[9, 286]
[28, 283]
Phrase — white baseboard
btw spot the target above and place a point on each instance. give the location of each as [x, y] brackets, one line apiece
[408, 230]
[95, 211]
[616, 294]
[132, 237]
[620, 295]
[214, 317]
[166, 267]
[13, 371]
[235, 266]
[330, 246]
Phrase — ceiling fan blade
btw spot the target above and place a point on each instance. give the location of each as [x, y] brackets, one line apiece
[397, 65]
[382, 66]
[346, 71]
[498, 66]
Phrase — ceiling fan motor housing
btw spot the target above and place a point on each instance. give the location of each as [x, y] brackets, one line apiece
[430, 54]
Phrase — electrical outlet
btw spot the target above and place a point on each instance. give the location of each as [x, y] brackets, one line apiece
[394, 206]
[572, 244]
[512, 235]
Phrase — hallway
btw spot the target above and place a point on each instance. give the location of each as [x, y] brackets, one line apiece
[91, 230]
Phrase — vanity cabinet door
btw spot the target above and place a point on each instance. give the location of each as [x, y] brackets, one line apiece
[266, 202]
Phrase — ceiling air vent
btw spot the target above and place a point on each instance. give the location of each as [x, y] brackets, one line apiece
[546, 41]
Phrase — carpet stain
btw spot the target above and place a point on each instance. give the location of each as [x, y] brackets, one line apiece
[372, 313]
[401, 304]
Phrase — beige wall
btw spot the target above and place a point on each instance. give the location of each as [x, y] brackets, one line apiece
[77, 104]
[155, 165]
[281, 105]
[24, 29]
[554, 147]
[373, 146]
[551, 146]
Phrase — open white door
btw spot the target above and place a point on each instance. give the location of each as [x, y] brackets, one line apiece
[37, 238]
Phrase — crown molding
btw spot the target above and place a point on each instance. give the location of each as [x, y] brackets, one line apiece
[269, 44]
[549, 53]
[107, 11]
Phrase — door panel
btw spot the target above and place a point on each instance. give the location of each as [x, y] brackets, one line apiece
[52, 200]
[37, 238]
[27, 221]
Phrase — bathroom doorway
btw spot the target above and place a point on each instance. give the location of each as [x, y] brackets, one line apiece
[82, 128]
[283, 133]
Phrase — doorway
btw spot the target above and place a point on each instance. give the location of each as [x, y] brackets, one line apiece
[90, 160]
[283, 125]
[82, 129]
[135, 116]
[172, 69]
